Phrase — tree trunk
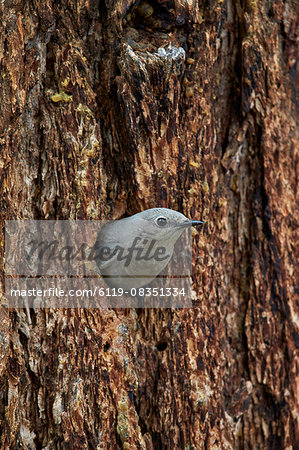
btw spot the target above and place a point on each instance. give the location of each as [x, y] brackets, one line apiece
[111, 108]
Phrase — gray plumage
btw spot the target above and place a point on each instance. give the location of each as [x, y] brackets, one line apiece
[150, 230]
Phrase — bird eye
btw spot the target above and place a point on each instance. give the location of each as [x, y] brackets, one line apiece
[161, 221]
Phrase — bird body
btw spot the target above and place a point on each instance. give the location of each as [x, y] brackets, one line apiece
[134, 250]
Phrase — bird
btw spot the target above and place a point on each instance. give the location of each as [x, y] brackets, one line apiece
[133, 251]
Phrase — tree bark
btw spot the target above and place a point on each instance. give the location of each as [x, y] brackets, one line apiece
[111, 108]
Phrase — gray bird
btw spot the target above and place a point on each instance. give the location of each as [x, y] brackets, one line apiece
[131, 252]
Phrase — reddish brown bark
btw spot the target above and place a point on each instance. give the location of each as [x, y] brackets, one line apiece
[96, 122]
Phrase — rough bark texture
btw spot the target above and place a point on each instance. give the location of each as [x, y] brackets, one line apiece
[96, 122]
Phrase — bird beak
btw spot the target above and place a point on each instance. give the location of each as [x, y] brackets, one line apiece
[196, 223]
[190, 223]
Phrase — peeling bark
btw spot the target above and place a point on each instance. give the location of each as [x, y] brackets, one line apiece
[111, 108]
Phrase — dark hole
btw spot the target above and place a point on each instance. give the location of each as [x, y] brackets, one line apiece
[161, 346]
[106, 346]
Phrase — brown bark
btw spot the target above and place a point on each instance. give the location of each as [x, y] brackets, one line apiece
[97, 123]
